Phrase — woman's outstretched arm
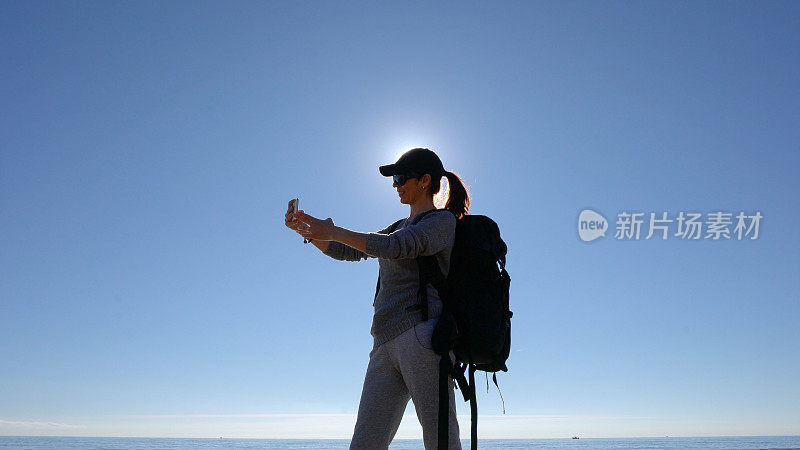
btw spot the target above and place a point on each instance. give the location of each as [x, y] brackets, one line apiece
[351, 238]
[432, 234]
[336, 242]
[340, 251]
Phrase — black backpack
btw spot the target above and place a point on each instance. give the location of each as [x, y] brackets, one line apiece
[476, 320]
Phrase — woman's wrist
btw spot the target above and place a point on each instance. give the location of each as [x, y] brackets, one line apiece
[335, 235]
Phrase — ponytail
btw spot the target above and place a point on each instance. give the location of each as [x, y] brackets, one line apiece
[457, 200]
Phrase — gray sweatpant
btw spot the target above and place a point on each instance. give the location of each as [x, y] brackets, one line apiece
[402, 368]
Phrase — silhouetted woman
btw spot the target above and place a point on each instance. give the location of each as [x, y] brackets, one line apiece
[402, 363]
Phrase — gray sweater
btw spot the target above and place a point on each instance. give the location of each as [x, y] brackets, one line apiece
[396, 253]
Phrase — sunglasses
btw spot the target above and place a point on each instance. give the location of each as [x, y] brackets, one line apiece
[401, 179]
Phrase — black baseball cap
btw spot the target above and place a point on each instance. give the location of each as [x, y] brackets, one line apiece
[416, 160]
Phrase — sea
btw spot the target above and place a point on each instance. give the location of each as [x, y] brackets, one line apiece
[109, 443]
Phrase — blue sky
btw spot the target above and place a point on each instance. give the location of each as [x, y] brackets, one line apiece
[149, 287]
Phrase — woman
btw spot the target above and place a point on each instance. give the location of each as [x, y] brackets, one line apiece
[402, 362]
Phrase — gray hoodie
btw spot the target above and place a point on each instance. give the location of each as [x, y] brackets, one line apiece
[396, 253]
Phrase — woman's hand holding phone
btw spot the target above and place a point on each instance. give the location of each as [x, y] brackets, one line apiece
[290, 219]
[316, 229]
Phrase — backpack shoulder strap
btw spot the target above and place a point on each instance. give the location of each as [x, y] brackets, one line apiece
[392, 228]
[423, 294]
[429, 269]
[429, 272]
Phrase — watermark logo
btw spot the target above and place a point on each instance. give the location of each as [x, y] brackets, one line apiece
[718, 225]
[591, 225]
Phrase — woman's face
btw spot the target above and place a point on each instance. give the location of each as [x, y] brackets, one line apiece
[410, 192]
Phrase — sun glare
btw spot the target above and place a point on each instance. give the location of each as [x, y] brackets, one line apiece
[397, 151]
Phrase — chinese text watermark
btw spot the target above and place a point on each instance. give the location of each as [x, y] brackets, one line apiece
[717, 225]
